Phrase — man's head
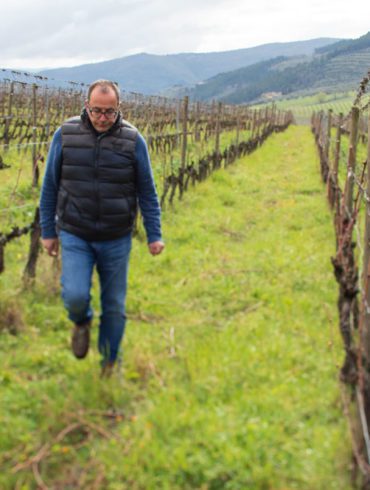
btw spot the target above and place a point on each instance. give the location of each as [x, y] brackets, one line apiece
[102, 104]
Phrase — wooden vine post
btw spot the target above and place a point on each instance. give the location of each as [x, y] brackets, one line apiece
[9, 115]
[218, 125]
[333, 187]
[47, 116]
[327, 145]
[184, 131]
[266, 122]
[178, 109]
[197, 123]
[35, 235]
[62, 105]
[237, 109]
[277, 117]
[273, 114]
[351, 165]
[365, 323]
[337, 148]
[184, 143]
[35, 169]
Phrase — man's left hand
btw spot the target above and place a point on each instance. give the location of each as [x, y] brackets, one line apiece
[155, 248]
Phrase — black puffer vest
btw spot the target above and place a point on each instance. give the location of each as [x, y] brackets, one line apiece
[97, 195]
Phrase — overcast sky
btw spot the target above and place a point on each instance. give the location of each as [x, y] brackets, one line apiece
[54, 33]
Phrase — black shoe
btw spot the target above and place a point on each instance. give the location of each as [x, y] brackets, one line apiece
[81, 340]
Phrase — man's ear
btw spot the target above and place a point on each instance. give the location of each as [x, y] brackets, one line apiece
[86, 104]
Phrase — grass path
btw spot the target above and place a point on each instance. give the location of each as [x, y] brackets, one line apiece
[231, 350]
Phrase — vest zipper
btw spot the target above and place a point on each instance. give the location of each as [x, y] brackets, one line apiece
[96, 165]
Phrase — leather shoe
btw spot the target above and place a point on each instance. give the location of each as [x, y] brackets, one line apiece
[81, 340]
[107, 369]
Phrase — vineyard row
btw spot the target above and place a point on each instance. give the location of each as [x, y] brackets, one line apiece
[348, 188]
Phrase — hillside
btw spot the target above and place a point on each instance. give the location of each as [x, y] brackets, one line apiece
[151, 74]
[336, 67]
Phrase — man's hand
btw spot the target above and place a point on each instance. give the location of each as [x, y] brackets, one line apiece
[155, 248]
[51, 245]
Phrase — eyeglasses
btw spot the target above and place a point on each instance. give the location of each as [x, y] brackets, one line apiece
[108, 113]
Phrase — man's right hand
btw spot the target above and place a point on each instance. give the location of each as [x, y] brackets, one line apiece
[51, 245]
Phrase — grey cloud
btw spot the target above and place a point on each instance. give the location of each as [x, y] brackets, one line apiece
[82, 31]
[91, 29]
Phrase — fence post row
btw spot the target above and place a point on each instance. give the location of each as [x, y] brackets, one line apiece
[354, 320]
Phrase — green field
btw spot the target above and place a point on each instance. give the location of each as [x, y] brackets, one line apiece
[302, 107]
[231, 356]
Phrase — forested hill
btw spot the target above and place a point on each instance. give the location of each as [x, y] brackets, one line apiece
[335, 67]
[151, 74]
[345, 46]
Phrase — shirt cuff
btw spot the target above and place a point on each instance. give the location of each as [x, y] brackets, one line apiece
[154, 238]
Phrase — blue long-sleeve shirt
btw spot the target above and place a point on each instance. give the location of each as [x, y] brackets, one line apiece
[146, 192]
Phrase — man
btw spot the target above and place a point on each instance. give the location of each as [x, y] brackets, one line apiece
[98, 170]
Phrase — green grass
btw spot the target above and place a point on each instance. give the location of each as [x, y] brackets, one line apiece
[232, 348]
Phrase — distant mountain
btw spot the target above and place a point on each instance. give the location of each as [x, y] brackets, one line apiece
[153, 74]
[339, 66]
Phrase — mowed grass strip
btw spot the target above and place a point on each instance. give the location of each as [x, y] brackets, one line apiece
[231, 354]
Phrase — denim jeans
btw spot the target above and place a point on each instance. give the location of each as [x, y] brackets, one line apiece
[79, 257]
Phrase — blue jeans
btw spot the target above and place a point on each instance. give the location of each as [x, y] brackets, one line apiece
[111, 260]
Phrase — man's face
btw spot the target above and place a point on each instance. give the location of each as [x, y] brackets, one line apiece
[102, 108]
